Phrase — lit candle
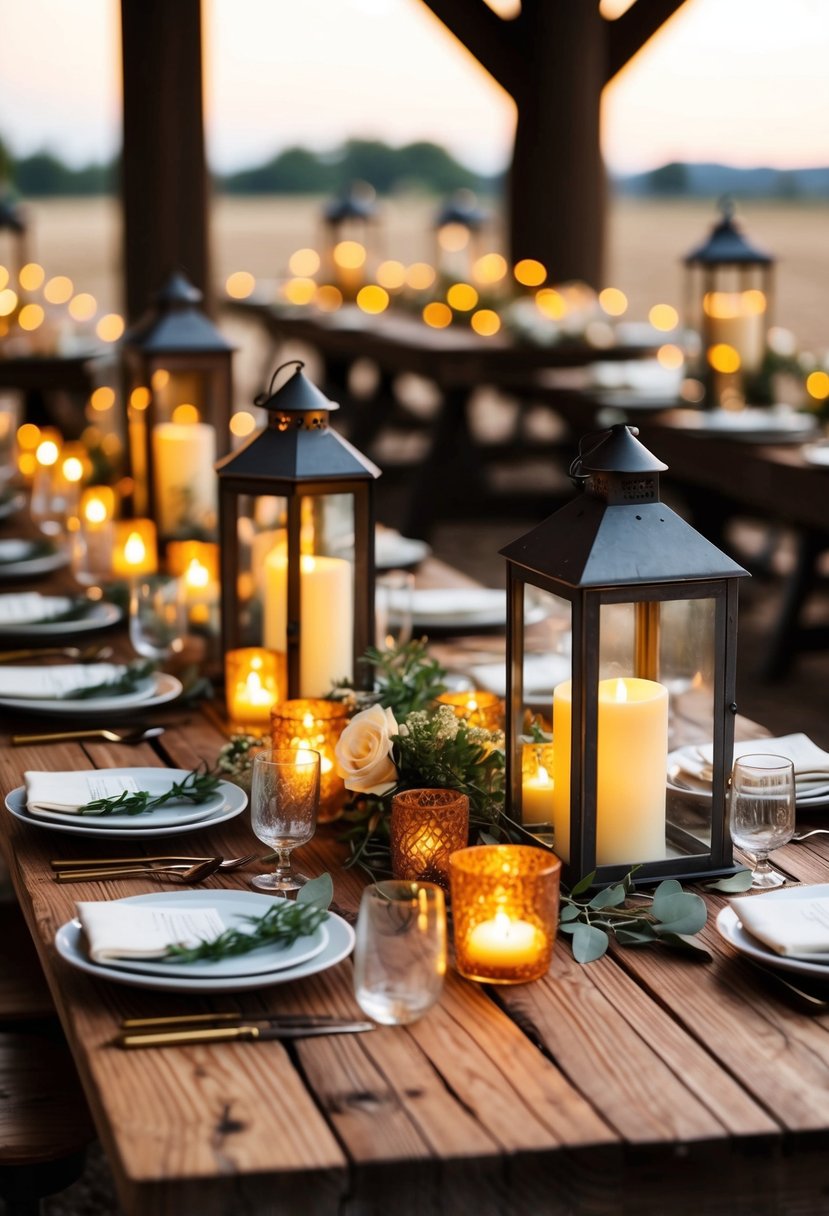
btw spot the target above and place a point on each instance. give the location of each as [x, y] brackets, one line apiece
[427, 827]
[476, 708]
[737, 319]
[180, 554]
[537, 796]
[631, 767]
[185, 481]
[314, 724]
[505, 943]
[97, 507]
[251, 685]
[326, 612]
[135, 550]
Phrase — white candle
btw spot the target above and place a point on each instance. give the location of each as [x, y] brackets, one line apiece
[631, 769]
[737, 319]
[326, 616]
[503, 942]
[537, 797]
[185, 481]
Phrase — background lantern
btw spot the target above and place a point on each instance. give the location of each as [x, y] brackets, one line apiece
[728, 305]
[459, 227]
[296, 519]
[178, 388]
[641, 619]
[349, 225]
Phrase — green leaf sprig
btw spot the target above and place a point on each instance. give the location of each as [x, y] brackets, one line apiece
[128, 681]
[281, 925]
[196, 787]
[406, 678]
[669, 917]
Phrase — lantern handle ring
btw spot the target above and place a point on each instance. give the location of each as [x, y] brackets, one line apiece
[574, 472]
[264, 398]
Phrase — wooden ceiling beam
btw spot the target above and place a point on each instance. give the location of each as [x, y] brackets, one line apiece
[628, 34]
[492, 40]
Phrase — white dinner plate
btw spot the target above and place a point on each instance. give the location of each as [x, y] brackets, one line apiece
[155, 781]
[70, 945]
[459, 609]
[234, 801]
[730, 927]
[26, 558]
[156, 690]
[816, 454]
[752, 425]
[698, 792]
[395, 552]
[95, 616]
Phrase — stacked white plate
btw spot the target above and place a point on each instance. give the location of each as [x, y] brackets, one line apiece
[731, 928]
[48, 690]
[689, 768]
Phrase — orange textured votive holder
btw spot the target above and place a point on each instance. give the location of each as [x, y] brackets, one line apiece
[251, 687]
[476, 708]
[315, 724]
[505, 909]
[135, 551]
[427, 827]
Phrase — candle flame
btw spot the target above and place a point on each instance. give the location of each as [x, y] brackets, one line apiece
[621, 690]
[304, 757]
[471, 705]
[135, 551]
[308, 721]
[697, 681]
[197, 575]
[95, 511]
[502, 922]
[542, 775]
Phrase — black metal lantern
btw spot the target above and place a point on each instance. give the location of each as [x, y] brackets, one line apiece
[178, 387]
[728, 305]
[296, 522]
[349, 238]
[639, 638]
[459, 228]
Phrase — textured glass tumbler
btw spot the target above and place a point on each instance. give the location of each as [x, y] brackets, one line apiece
[284, 796]
[400, 953]
[761, 811]
[427, 827]
[505, 909]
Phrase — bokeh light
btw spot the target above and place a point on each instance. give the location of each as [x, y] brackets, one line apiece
[31, 276]
[462, 297]
[28, 436]
[529, 272]
[8, 302]
[47, 453]
[437, 314]
[59, 289]
[72, 468]
[300, 291]
[110, 327]
[160, 379]
[453, 237]
[82, 307]
[420, 276]
[240, 284]
[724, 358]
[551, 303]
[485, 322]
[372, 299]
[817, 385]
[328, 298]
[31, 316]
[663, 317]
[489, 268]
[185, 414]
[102, 399]
[391, 275]
[303, 263]
[349, 255]
[140, 397]
[670, 356]
[613, 301]
[242, 423]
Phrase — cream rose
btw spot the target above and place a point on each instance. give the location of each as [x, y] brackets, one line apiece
[364, 749]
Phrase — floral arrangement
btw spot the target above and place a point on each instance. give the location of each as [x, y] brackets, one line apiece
[405, 742]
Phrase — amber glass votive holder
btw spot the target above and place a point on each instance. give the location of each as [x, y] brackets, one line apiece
[427, 827]
[315, 724]
[251, 688]
[477, 708]
[505, 908]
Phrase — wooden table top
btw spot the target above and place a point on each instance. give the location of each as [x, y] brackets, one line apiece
[682, 1086]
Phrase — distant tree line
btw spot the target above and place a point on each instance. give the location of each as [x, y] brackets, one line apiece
[420, 166]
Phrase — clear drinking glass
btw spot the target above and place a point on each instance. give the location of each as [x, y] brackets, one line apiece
[158, 617]
[762, 811]
[284, 798]
[393, 608]
[400, 953]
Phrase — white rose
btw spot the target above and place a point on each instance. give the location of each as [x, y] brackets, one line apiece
[364, 751]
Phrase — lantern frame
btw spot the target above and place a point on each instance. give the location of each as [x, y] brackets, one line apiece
[459, 210]
[175, 335]
[297, 456]
[352, 216]
[727, 265]
[617, 543]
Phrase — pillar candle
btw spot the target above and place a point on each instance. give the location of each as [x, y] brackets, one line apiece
[738, 319]
[536, 793]
[185, 482]
[327, 618]
[631, 769]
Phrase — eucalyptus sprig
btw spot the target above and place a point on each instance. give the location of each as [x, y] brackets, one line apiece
[406, 678]
[128, 681]
[196, 787]
[668, 917]
[281, 925]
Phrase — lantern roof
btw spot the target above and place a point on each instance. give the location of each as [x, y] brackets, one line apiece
[461, 208]
[357, 204]
[297, 445]
[617, 532]
[726, 244]
[176, 323]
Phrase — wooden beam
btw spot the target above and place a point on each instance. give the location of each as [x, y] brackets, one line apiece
[628, 34]
[164, 174]
[493, 41]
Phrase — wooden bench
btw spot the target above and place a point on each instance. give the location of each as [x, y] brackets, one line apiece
[24, 994]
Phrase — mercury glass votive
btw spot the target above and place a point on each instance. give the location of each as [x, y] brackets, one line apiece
[315, 724]
[505, 907]
[427, 827]
[251, 688]
[477, 708]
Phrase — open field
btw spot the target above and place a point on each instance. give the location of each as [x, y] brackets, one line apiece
[646, 241]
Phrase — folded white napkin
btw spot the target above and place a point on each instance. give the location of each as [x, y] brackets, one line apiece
[52, 683]
[787, 926]
[450, 602]
[811, 763]
[117, 930]
[68, 792]
[30, 607]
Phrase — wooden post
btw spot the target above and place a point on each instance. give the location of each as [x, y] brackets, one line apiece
[164, 175]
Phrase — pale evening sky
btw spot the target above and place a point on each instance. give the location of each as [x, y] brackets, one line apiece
[741, 81]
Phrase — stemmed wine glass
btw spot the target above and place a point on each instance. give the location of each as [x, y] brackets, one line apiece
[762, 811]
[284, 799]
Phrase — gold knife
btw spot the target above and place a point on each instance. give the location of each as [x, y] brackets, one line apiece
[236, 1034]
[225, 1016]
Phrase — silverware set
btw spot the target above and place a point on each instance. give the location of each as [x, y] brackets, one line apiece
[203, 1028]
[139, 735]
[176, 869]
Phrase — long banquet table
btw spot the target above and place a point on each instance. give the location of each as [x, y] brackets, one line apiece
[642, 1083]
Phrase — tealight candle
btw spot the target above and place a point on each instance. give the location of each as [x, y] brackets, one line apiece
[135, 551]
[251, 686]
[427, 827]
[315, 725]
[477, 708]
[537, 784]
[505, 907]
